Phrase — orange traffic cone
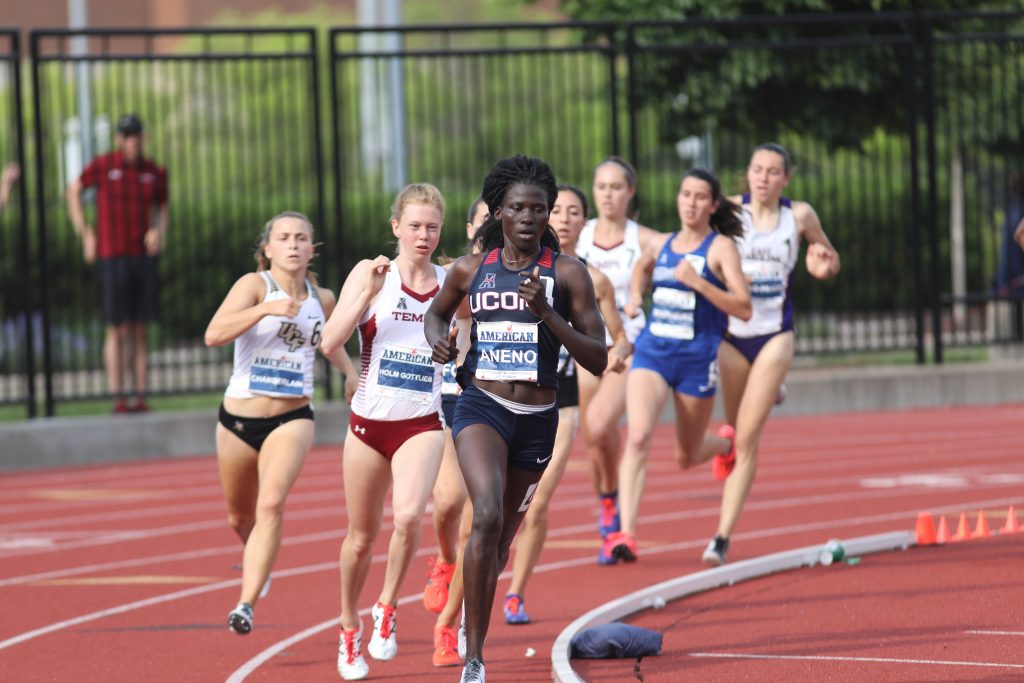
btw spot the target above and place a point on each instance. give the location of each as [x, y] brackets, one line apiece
[981, 526]
[1011, 526]
[942, 535]
[925, 529]
[963, 532]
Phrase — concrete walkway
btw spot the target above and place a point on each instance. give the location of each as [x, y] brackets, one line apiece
[50, 442]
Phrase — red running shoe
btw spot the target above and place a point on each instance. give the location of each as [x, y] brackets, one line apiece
[446, 648]
[435, 595]
[721, 465]
[619, 545]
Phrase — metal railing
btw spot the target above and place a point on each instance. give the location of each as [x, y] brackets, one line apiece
[906, 131]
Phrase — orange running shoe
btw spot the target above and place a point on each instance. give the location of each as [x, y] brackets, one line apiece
[435, 595]
[721, 465]
[446, 645]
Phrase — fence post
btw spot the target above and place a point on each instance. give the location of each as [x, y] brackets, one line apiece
[318, 157]
[24, 247]
[915, 199]
[925, 32]
[44, 263]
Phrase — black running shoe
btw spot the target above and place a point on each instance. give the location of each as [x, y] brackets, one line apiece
[240, 619]
[716, 551]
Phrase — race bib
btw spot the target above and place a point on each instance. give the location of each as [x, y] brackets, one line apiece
[406, 373]
[767, 278]
[449, 384]
[672, 313]
[276, 373]
[507, 351]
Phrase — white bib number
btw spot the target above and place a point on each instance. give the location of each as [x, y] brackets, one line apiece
[672, 313]
[406, 373]
[507, 351]
[276, 373]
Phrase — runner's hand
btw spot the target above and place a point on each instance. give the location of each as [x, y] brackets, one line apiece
[286, 307]
[531, 290]
[444, 349]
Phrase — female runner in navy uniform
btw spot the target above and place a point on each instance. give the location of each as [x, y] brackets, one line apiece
[523, 298]
[567, 219]
[276, 317]
[697, 280]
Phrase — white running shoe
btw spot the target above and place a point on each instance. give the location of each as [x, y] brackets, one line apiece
[240, 619]
[383, 645]
[473, 672]
[266, 587]
[462, 637]
[351, 664]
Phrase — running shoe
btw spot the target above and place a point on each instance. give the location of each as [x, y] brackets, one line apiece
[619, 546]
[435, 595]
[515, 612]
[721, 465]
[446, 646]
[473, 672]
[240, 619]
[608, 519]
[351, 664]
[715, 552]
[383, 645]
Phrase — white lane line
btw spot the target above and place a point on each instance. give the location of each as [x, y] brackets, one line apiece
[242, 672]
[995, 633]
[332, 566]
[882, 660]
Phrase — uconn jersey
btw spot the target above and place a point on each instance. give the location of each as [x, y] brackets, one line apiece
[683, 322]
[768, 260]
[616, 263]
[275, 356]
[398, 381]
[508, 342]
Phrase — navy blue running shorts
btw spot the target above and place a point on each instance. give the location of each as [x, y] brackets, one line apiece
[530, 438]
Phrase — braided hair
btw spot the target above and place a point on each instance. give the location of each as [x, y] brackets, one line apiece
[726, 218]
[517, 170]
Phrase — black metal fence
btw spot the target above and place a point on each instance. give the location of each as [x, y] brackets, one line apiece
[906, 130]
[17, 334]
[234, 117]
[975, 168]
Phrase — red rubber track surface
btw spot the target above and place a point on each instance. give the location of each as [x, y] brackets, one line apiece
[113, 573]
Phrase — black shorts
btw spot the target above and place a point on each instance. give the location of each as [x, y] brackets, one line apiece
[568, 393]
[128, 289]
[255, 430]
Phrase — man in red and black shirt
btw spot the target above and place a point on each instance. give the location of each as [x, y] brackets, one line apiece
[131, 223]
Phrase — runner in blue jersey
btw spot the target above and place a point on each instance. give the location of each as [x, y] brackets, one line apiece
[526, 301]
[697, 280]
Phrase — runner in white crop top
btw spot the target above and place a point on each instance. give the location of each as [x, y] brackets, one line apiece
[275, 356]
[755, 356]
[611, 243]
[265, 425]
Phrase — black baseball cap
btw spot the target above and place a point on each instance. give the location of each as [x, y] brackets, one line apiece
[129, 124]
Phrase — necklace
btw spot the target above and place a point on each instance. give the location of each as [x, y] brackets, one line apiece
[516, 261]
